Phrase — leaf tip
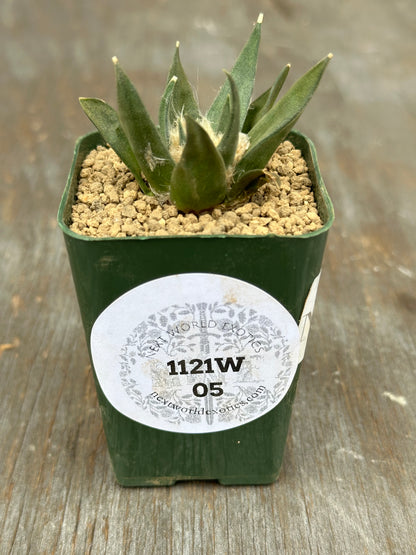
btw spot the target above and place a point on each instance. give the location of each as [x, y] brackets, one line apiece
[114, 59]
[330, 56]
[85, 100]
[260, 18]
[177, 44]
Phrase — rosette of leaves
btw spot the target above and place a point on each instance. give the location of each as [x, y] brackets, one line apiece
[199, 161]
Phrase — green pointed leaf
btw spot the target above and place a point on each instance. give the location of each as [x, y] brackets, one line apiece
[274, 92]
[243, 73]
[146, 143]
[165, 108]
[229, 141]
[292, 104]
[106, 120]
[264, 102]
[198, 180]
[254, 109]
[225, 116]
[273, 127]
[183, 99]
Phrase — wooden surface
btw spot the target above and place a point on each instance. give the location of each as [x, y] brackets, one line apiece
[348, 480]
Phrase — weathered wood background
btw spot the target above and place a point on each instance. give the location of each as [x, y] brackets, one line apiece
[348, 481]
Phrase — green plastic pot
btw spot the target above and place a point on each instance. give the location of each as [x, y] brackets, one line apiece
[103, 269]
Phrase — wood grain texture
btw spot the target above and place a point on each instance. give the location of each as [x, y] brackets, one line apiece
[348, 480]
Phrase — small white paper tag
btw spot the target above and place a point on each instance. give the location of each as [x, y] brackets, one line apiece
[305, 321]
[195, 353]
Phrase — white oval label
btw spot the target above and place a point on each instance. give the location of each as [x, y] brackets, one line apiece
[195, 353]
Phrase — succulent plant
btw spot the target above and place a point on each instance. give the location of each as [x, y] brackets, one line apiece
[198, 161]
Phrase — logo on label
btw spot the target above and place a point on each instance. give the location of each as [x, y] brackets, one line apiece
[195, 353]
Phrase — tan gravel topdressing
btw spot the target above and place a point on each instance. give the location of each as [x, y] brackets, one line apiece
[110, 204]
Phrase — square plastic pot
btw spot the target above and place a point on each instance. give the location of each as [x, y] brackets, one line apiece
[106, 268]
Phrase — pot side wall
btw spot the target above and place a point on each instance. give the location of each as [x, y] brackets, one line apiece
[104, 269]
